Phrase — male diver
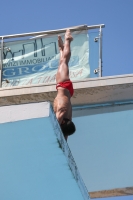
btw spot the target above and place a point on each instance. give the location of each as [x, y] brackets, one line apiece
[62, 103]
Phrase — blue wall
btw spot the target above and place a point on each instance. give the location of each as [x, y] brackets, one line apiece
[32, 166]
[103, 146]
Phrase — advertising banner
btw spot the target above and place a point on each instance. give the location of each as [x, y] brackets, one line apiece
[35, 60]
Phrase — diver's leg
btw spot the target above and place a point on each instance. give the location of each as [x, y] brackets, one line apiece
[65, 54]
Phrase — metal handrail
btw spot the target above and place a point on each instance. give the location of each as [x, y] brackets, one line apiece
[74, 28]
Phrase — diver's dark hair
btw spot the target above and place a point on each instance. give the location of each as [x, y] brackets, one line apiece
[68, 128]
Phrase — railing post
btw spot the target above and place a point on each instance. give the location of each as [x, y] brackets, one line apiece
[1, 60]
[100, 52]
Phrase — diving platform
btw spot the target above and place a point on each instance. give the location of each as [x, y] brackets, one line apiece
[88, 91]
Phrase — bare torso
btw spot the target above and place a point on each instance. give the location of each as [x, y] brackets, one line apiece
[62, 104]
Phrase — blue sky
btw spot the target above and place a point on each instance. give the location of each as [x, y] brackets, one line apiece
[29, 16]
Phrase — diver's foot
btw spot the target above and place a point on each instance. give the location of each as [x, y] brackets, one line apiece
[68, 35]
[60, 43]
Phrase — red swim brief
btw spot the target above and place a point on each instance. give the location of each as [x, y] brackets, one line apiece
[68, 85]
